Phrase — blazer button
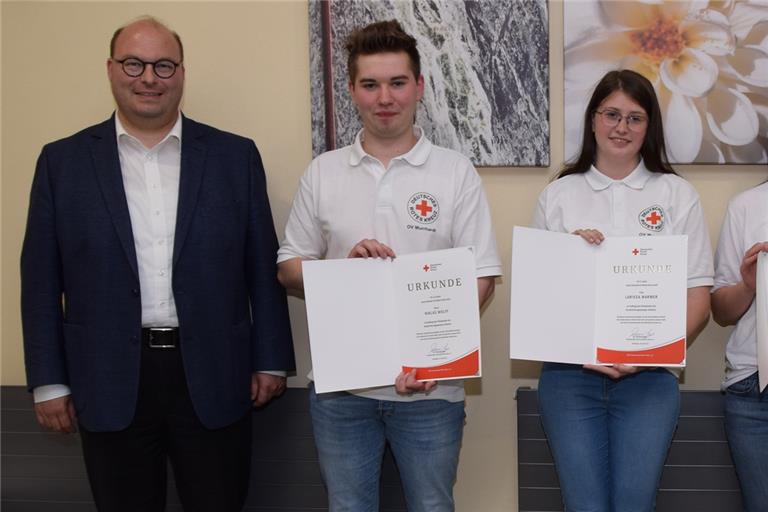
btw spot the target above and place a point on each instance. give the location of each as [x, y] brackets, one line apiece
[134, 340]
[135, 291]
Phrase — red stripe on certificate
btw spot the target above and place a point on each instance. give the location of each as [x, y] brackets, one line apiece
[466, 366]
[671, 353]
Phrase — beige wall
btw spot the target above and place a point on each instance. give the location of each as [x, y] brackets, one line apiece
[247, 72]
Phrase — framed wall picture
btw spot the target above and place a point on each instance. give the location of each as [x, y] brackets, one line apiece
[485, 66]
[708, 62]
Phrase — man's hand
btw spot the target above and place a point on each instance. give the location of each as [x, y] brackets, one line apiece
[406, 384]
[370, 248]
[57, 414]
[265, 387]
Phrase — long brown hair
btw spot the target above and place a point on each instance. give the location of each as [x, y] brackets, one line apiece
[637, 87]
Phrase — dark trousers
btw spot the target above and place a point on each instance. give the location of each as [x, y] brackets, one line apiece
[127, 470]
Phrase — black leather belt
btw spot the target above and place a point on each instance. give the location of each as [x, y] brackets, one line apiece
[160, 337]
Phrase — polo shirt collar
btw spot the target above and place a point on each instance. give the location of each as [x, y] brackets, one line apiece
[358, 153]
[636, 179]
[175, 131]
[417, 155]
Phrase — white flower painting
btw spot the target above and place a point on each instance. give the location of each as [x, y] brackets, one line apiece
[707, 60]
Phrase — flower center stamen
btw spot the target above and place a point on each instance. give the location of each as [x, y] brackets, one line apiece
[660, 40]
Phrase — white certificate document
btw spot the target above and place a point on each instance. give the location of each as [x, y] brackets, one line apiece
[761, 305]
[623, 301]
[370, 319]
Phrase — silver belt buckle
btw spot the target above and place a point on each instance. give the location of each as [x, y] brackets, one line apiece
[163, 330]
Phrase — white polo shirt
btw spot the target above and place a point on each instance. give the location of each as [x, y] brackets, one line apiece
[745, 224]
[427, 199]
[644, 203]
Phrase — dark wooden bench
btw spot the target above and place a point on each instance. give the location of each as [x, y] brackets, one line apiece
[44, 472]
[698, 474]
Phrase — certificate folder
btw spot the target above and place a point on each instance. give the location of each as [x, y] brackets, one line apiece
[623, 301]
[761, 305]
[371, 318]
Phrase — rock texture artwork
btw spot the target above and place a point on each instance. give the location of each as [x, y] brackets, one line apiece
[485, 65]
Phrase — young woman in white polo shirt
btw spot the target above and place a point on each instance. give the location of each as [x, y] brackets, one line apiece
[609, 427]
[744, 235]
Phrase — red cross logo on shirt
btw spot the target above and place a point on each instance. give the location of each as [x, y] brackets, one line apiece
[653, 218]
[423, 208]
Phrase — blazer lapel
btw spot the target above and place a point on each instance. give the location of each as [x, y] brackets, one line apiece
[106, 163]
[193, 152]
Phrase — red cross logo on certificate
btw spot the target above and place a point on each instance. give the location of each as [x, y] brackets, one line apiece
[635, 252]
[652, 218]
[425, 268]
[423, 208]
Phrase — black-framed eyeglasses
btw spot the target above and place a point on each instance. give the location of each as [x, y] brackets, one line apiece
[612, 118]
[162, 68]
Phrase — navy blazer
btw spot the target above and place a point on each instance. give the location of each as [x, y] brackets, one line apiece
[81, 303]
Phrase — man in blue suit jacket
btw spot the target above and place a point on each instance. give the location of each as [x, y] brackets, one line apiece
[151, 310]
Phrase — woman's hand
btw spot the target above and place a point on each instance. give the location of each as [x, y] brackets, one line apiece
[749, 265]
[729, 303]
[592, 236]
[615, 371]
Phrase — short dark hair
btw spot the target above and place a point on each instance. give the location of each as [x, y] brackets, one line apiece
[381, 37]
[637, 87]
[151, 20]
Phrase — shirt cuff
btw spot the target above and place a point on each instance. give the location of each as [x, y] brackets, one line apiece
[49, 392]
[276, 373]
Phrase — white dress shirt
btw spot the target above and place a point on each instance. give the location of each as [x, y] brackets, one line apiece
[151, 183]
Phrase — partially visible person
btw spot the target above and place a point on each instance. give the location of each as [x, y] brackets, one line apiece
[390, 192]
[743, 237]
[152, 315]
[609, 427]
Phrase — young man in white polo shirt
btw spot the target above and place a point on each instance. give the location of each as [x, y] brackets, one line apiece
[391, 192]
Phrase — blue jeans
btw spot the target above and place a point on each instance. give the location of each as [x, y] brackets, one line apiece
[746, 424]
[351, 432]
[609, 438]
